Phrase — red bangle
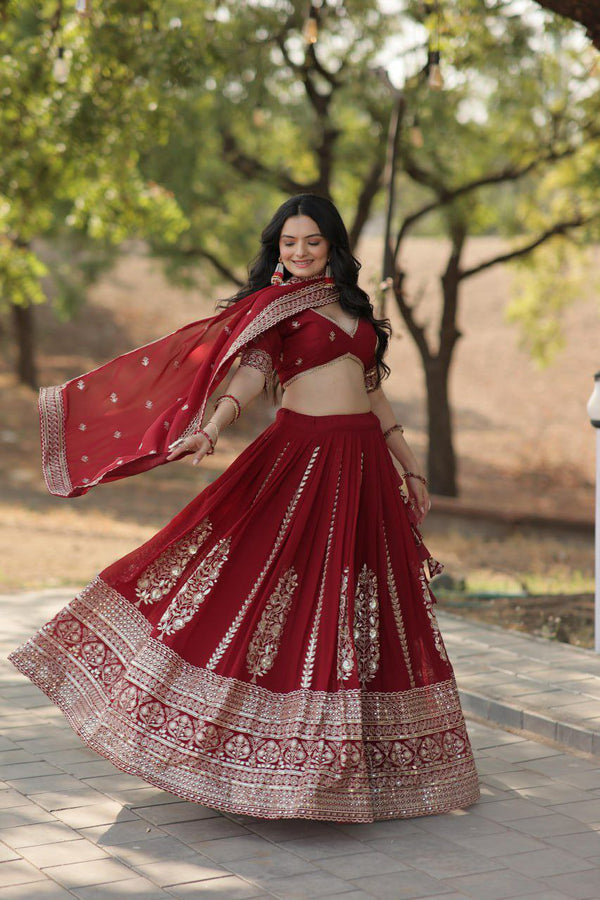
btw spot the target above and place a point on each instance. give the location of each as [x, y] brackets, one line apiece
[209, 439]
[234, 400]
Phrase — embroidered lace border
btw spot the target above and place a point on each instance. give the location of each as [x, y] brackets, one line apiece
[352, 755]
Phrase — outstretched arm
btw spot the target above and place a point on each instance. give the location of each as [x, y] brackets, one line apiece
[246, 385]
[399, 448]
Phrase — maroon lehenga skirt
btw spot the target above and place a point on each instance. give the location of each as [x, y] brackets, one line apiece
[273, 651]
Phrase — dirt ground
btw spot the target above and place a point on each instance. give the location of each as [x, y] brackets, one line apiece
[523, 439]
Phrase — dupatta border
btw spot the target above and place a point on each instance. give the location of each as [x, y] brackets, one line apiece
[279, 309]
[54, 454]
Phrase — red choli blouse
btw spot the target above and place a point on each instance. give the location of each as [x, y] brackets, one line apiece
[309, 341]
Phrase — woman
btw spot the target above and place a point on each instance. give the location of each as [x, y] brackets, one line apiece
[273, 650]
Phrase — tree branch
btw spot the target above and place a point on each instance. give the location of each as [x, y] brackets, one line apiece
[252, 168]
[219, 266]
[560, 228]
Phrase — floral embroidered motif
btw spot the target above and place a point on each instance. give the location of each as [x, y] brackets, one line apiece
[194, 592]
[114, 397]
[148, 404]
[371, 379]
[158, 579]
[84, 458]
[267, 637]
[366, 624]
[82, 426]
[428, 600]
[332, 335]
[257, 359]
[299, 361]
[117, 434]
[345, 649]
[295, 324]
[81, 384]
[145, 361]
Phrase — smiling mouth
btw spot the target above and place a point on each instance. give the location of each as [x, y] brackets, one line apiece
[304, 262]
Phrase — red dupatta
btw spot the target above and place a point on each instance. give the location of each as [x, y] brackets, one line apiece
[120, 418]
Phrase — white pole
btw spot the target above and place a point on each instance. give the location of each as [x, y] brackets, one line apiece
[593, 409]
[597, 600]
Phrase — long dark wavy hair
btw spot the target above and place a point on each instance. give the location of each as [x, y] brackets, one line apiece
[344, 266]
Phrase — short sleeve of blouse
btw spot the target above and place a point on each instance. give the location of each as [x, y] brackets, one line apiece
[371, 379]
[263, 352]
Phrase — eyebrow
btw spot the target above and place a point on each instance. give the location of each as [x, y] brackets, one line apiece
[293, 236]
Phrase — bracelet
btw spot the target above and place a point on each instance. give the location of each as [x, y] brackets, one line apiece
[234, 400]
[393, 428]
[420, 478]
[216, 427]
[209, 439]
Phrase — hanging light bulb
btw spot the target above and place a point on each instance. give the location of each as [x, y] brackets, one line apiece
[435, 79]
[415, 134]
[311, 26]
[60, 67]
[83, 7]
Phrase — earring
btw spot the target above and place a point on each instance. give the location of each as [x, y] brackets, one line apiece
[277, 276]
[328, 270]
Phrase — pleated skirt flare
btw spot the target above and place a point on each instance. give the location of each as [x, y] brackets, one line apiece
[273, 651]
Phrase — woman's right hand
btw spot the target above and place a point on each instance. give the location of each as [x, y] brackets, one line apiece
[198, 444]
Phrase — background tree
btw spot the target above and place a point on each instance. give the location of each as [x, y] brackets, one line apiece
[70, 144]
[506, 150]
[586, 12]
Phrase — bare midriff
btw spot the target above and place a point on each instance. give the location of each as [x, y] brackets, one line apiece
[336, 388]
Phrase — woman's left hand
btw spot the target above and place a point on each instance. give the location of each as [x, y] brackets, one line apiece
[419, 497]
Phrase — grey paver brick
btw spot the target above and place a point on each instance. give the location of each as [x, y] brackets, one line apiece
[22, 770]
[372, 862]
[24, 815]
[579, 885]
[63, 853]
[181, 871]
[10, 798]
[497, 885]
[407, 886]
[170, 813]
[583, 844]
[272, 862]
[308, 848]
[133, 888]
[103, 813]
[229, 887]
[42, 890]
[37, 835]
[95, 871]
[7, 853]
[83, 796]
[31, 786]
[587, 811]
[511, 810]
[116, 833]
[205, 829]
[543, 863]
[493, 845]
[18, 871]
[226, 849]
[543, 826]
[161, 848]
[308, 884]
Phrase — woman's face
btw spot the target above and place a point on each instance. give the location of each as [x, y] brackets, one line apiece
[302, 247]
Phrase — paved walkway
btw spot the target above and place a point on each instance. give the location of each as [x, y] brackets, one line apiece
[72, 826]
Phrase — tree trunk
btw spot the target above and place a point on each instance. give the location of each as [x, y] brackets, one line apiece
[441, 461]
[23, 321]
